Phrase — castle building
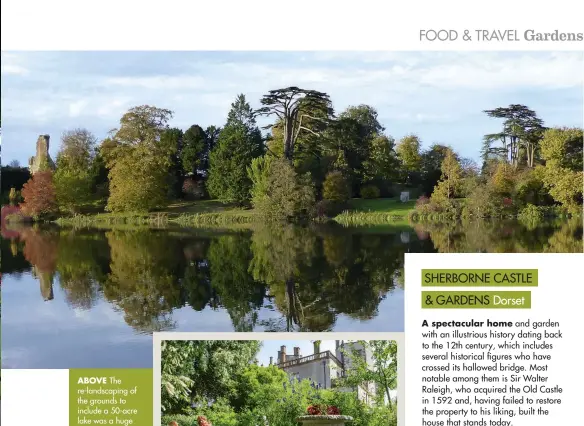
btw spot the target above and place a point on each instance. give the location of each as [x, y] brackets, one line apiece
[325, 368]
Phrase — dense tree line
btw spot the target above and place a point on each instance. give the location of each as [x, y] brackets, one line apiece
[311, 162]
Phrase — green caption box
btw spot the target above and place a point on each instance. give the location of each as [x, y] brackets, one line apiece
[476, 299]
[110, 397]
[479, 277]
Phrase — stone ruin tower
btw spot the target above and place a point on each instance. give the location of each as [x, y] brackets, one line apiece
[42, 160]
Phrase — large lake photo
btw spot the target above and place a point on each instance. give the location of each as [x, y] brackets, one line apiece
[266, 191]
[88, 297]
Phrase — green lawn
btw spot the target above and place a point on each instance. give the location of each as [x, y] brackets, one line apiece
[381, 211]
[213, 213]
[382, 205]
[204, 206]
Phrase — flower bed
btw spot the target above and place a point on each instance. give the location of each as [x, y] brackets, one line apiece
[323, 415]
[324, 419]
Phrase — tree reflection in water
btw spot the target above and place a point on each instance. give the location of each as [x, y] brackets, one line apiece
[306, 277]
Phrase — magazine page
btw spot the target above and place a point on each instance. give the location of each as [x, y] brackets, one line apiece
[261, 213]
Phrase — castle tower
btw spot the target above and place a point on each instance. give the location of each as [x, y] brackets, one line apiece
[42, 160]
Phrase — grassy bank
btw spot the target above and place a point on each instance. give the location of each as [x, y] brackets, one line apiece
[211, 213]
[381, 211]
[194, 213]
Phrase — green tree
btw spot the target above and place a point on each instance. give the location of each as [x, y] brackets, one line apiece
[193, 150]
[348, 149]
[431, 166]
[139, 162]
[211, 136]
[408, 151]
[72, 188]
[451, 178]
[382, 372]
[73, 177]
[238, 144]
[336, 188]
[212, 367]
[278, 192]
[382, 163]
[172, 140]
[366, 116]
[561, 148]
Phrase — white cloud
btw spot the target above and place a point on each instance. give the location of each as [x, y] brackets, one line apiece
[113, 108]
[163, 82]
[13, 69]
[77, 107]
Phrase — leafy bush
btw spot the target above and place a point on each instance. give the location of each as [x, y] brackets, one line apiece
[180, 419]
[370, 191]
[278, 192]
[336, 187]
[531, 216]
[483, 202]
[530, 188]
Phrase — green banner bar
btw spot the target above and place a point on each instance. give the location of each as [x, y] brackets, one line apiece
[110, 397]
[476, 299]
[479, 277]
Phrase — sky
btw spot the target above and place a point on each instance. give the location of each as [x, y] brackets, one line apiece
[439, 96]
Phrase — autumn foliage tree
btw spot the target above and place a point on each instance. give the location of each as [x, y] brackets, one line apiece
[39, 196]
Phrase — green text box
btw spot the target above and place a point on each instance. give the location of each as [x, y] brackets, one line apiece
[476, 299]
[110, 397]
[479, 277]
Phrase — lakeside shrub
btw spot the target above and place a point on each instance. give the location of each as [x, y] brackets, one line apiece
[278, 192]
[370, 192]
[336, 187]
[39, 196]
[531, 216]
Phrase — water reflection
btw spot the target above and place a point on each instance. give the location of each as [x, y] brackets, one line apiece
[102, 293]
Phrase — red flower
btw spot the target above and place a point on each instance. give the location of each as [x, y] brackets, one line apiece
[202, 421]
[333, 411]
[507, 201]
[313, 410]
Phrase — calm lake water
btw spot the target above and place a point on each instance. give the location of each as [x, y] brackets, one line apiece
[92, 298]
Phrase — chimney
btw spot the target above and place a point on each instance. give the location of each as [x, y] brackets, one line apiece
[317, 346]
[271, 360]
[283, 354]
[297, 352]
